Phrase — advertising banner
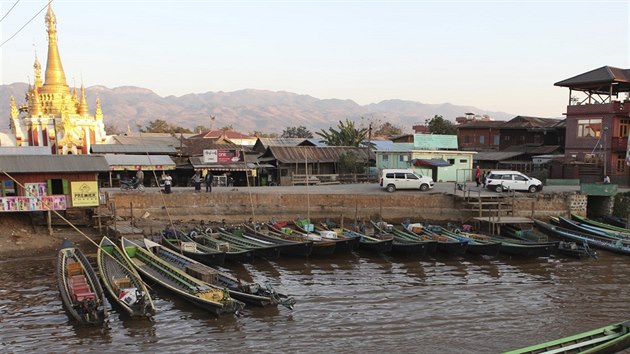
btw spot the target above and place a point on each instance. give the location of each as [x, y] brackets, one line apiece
[221, 156]
[84, 193]
[48, 202]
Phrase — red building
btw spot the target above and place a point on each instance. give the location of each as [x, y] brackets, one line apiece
[597, 125]
[479, 135]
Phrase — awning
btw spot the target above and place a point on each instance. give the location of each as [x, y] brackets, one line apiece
[430, 162]
[133, 162]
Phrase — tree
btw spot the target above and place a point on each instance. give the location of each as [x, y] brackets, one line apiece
[161, 126]
[260, 134]
[296, 132]
[112, 129]
[201, 129]
[387, 129]
[346, 134]
[439, 125]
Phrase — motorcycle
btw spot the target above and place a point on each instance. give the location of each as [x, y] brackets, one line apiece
[133, 183]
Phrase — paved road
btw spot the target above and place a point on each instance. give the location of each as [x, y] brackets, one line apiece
[358, 188]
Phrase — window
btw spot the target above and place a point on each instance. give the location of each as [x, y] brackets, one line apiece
[463, 161]
[624, 128]
[8, 188]
[389, 175]
[58, 187]
[467, 139]
[589, 128]
[497, 139]
[411, 176]
[621, 163]
[399, 175]
[451, 161]
[520, 178]
[482, 139]
[385, 158]
[506, 138]
[403, 158]
[506, 177]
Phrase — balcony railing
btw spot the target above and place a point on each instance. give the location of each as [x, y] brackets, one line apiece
[611, 107]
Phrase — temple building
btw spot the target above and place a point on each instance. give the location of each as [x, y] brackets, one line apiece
[54, 114]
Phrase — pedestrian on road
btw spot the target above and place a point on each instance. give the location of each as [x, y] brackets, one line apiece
[140, 176]
[484, 177]
[209, 178]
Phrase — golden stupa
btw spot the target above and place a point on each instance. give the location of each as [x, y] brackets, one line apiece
[54, 115]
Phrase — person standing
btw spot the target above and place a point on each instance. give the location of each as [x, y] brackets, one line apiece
[478, 176]
[209, 178]
[168, 180]
[140, 176]
[606, 179]
[196, 179]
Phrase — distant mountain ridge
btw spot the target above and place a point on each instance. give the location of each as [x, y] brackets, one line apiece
[246, 110]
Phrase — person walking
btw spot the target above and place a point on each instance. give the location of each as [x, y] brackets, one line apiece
[196, 179]
[209, 178]
[478, 176]
[140, 176]
[484, 177]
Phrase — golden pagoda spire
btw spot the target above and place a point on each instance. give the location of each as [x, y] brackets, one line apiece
[38, 73]
[14, 109]
[55, 77]
[98, 115]
[36, 106]
[83, 107]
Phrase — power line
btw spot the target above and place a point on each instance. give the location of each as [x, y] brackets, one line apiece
[26, 24]
[8, 12]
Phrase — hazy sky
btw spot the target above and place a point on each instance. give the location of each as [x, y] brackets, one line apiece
[495, 55]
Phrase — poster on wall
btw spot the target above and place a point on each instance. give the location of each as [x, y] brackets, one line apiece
[35, 189]
[48, 202]
[84, 193]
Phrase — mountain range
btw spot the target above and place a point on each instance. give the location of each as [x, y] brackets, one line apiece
[247, 110]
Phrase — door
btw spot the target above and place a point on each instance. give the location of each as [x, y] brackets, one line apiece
[521, 183]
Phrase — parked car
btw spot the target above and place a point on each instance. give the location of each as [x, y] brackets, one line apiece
[500, 181]
[392, 179]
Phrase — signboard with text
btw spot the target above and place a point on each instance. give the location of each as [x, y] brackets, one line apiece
[221, 156]
[84, 193]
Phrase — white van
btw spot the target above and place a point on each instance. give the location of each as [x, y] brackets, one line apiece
[392, 179]
[504, 180]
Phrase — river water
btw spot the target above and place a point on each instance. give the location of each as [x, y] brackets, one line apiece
[353, 303]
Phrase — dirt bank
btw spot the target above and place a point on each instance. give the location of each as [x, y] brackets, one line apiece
[19, 238]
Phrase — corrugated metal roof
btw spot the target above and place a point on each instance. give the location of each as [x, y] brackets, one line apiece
[139, 160]
[266, 142]
[596, 77]
[495, 156]
[533, 150]
[132, 149]
[25, 150]
[52, 163]
[148, 139]
[524, 122]
[196, 146]
[292, 154]
[481, 124]
[197, 163]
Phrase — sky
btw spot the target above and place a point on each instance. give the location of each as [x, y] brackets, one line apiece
[493, 55]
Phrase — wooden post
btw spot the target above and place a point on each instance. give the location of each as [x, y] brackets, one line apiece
[131, 213]
[533, 203]
[342, 221]
[49, 222]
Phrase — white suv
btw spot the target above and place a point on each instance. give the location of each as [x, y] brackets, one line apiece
[504, 180]
[392, 179]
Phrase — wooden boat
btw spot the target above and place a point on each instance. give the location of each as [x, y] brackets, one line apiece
[291, 247]
[81, 293]
[475, 246]
[206, 255]
[345, 243]
[234, 236]
[529, 234]
[402, 244]
[575, 250]
[518, 248]
[608, 339]
[605, 243]
[370, 243]
[233, 252]
[431, 245]
[610, 226]
[122, 282]
[249, 293]
[445, 244]
[321, 247]
[211, 298]
[589, 229]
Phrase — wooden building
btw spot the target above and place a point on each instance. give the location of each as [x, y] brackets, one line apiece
[598, 125]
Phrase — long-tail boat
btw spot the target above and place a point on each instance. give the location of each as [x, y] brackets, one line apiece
[81, 293]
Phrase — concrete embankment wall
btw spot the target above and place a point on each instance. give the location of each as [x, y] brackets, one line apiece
[395, 207]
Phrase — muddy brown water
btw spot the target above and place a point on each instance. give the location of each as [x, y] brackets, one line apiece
[353, 303]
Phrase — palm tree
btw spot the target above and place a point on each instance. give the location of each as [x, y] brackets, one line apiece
[346, 134]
